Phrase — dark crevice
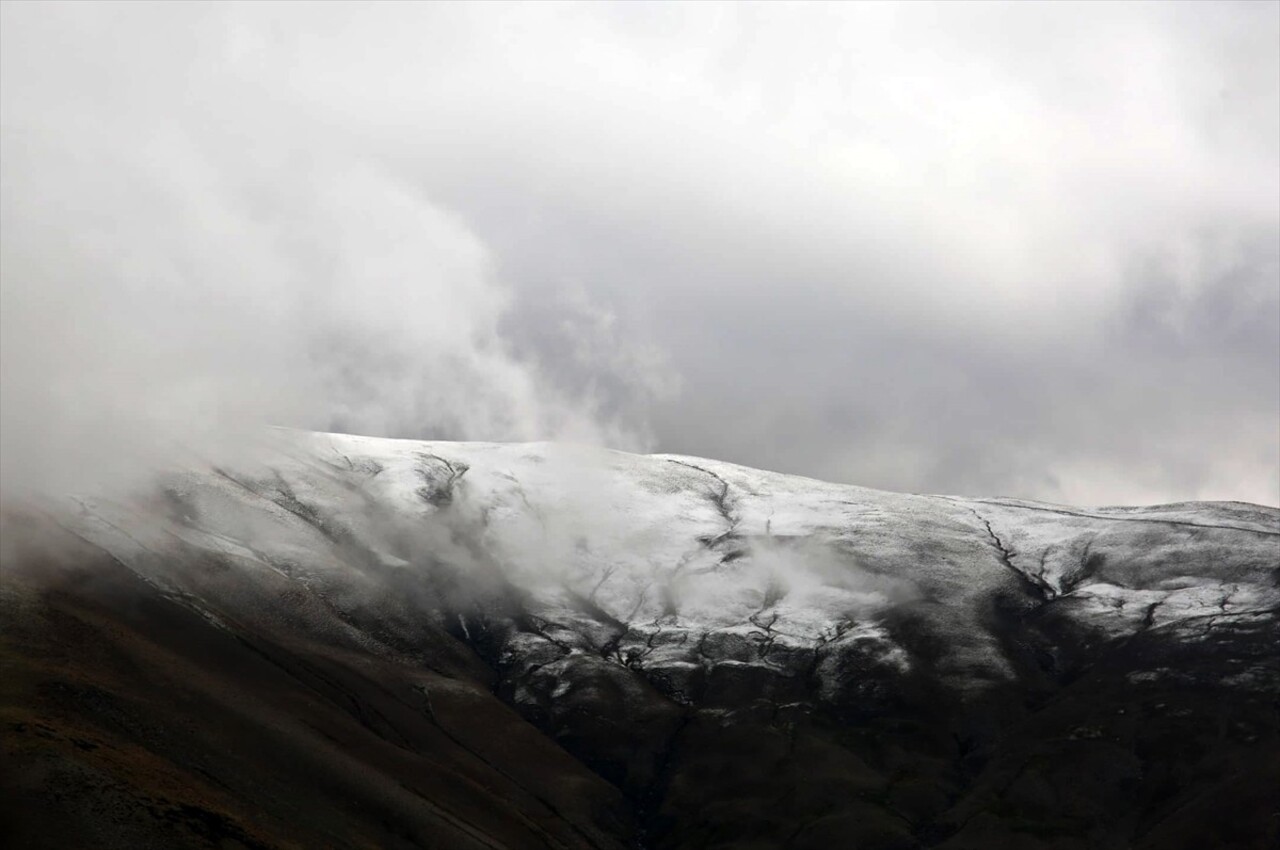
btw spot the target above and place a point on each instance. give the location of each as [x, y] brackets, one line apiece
[1117, 518]
[720, 500]
[434, 491]
[1036, 585]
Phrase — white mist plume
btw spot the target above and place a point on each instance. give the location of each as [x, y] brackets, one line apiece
[185, 258]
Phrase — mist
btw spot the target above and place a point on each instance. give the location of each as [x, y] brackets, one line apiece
[994, 250]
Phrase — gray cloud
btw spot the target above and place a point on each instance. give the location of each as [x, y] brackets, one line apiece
[996, 249]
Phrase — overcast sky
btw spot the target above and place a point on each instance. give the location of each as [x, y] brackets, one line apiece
[1028, 250]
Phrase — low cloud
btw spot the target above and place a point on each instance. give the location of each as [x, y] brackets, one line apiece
[173, 281]
[1000, 249]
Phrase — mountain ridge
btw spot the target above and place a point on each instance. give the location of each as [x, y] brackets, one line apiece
[654, 626]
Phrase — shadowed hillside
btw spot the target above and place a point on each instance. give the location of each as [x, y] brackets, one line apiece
[361, 643]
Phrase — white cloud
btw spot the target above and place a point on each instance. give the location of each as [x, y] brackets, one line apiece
[943, 222]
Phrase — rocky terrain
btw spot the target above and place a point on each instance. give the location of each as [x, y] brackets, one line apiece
[356, 643]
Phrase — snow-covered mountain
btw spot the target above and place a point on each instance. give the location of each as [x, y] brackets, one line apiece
[538, 645]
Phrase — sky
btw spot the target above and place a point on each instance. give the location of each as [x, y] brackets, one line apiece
[1023, 250]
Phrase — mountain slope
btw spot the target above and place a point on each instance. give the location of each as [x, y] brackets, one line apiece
[352, 642]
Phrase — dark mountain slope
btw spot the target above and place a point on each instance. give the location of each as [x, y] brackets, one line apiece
[361, 643]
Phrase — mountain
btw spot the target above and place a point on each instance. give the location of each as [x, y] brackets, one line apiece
[348, 642]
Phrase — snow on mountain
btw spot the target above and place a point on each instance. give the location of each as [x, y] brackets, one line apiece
[673, 564]
[350, 642]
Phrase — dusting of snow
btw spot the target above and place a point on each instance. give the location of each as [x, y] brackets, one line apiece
[671, 564]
